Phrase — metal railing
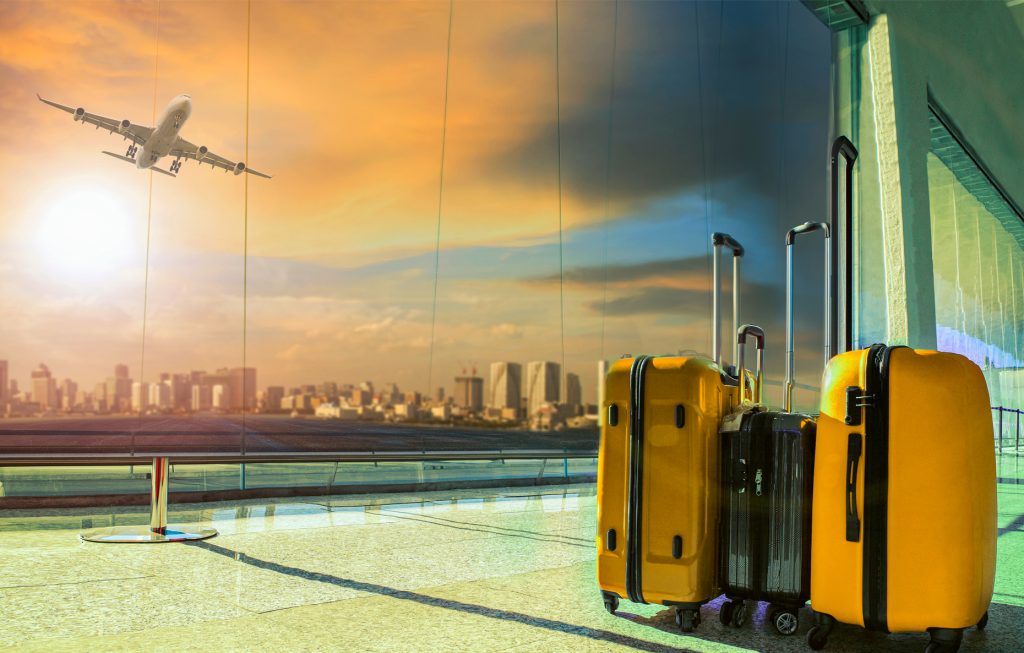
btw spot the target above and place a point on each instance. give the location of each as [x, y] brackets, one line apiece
[1006, 429]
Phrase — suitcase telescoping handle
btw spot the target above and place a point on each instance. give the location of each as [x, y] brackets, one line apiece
[843, 147]
[757, 333]
[718, 241]
[806, 227]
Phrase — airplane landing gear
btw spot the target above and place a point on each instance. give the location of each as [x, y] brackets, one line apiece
[175, 166]
[132, 149]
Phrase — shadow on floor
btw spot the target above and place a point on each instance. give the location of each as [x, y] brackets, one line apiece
[446, 604]
[551, 538]
[1017, 525]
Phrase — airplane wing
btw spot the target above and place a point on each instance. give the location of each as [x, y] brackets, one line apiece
[187, 150]
[136, 133]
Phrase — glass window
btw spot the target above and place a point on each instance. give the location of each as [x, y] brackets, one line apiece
[978, 260]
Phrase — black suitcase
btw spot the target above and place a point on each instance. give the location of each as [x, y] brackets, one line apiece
[765, 543]
[767, 471]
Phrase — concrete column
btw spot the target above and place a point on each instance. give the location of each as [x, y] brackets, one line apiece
[899, 99]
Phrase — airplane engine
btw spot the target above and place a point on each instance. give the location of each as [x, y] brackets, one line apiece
[201, 152]
[79, 114]
[239, 168]
[124, 125]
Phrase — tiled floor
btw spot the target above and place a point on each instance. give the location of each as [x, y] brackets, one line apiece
[486, 570]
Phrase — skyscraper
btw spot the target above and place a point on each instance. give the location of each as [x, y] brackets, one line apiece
[68, 394]
[602, 372]
[119, 389]
[542, 384]
[44, 388]
[506, 385]
[160, 395]
[573, 391]
[243, 388]
[220, 395]
[275, 394]
[202, 397]
[5, 390]
[469, 392]
[140, 396]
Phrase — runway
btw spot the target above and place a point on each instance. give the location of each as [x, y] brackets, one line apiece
[224, 434]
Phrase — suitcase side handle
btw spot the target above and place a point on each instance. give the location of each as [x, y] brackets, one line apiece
[853, 451]
[718, 241]
[757, 333]
[805, 228]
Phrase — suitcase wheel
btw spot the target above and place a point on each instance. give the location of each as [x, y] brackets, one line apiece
[725, 613]
[984, 621]
[687, 620]
[611, 603]
[733, 613]
[817, 637]
[786, 622]
[944, 640]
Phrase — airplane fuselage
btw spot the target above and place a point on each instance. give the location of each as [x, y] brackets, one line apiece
[165, 134]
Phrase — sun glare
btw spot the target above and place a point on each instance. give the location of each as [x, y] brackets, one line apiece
[85, 233]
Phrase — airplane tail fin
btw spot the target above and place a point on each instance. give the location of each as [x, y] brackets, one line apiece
[131, 160]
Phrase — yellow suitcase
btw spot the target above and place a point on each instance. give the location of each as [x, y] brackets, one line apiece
[904, 518]
[658, 469]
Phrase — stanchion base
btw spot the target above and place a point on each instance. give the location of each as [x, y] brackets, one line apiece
[143, 535]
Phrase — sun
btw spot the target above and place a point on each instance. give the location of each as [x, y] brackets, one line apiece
[86, 233]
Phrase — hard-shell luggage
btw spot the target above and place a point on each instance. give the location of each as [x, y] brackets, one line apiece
[657, 487]
[767, 470]
[904, 516]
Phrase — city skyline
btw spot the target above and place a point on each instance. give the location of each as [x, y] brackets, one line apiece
[198, 390]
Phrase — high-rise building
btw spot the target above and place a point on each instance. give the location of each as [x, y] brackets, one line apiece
[573, 392]
[273, 397]
[243, 388]
[469, 392]
[328, 389]
[119, 389]
[221, 397]
[221, 377]
[390, 393]
[181, 391]
[602, 372]
[5, 389]
[99, 397]
[68, 394]
[542, 384]
[506, 385]
[160, 395]
[140, 396]
[44, 388]
[202, 397]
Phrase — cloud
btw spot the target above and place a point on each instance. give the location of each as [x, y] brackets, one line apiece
[375, 327]
[507, 330]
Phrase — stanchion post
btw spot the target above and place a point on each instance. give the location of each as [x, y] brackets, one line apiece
[158, 497]
[157, 530]
[1000, 429]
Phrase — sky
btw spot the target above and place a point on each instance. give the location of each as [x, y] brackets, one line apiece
[584, 169]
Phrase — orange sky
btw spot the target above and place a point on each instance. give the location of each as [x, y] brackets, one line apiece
[346, 113]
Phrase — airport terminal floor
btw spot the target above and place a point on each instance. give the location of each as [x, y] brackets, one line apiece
[469, 570]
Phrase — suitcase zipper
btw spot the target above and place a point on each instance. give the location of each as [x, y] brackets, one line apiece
[876, 489]
[634, 511]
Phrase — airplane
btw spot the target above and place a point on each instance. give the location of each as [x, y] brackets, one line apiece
[158, 142]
